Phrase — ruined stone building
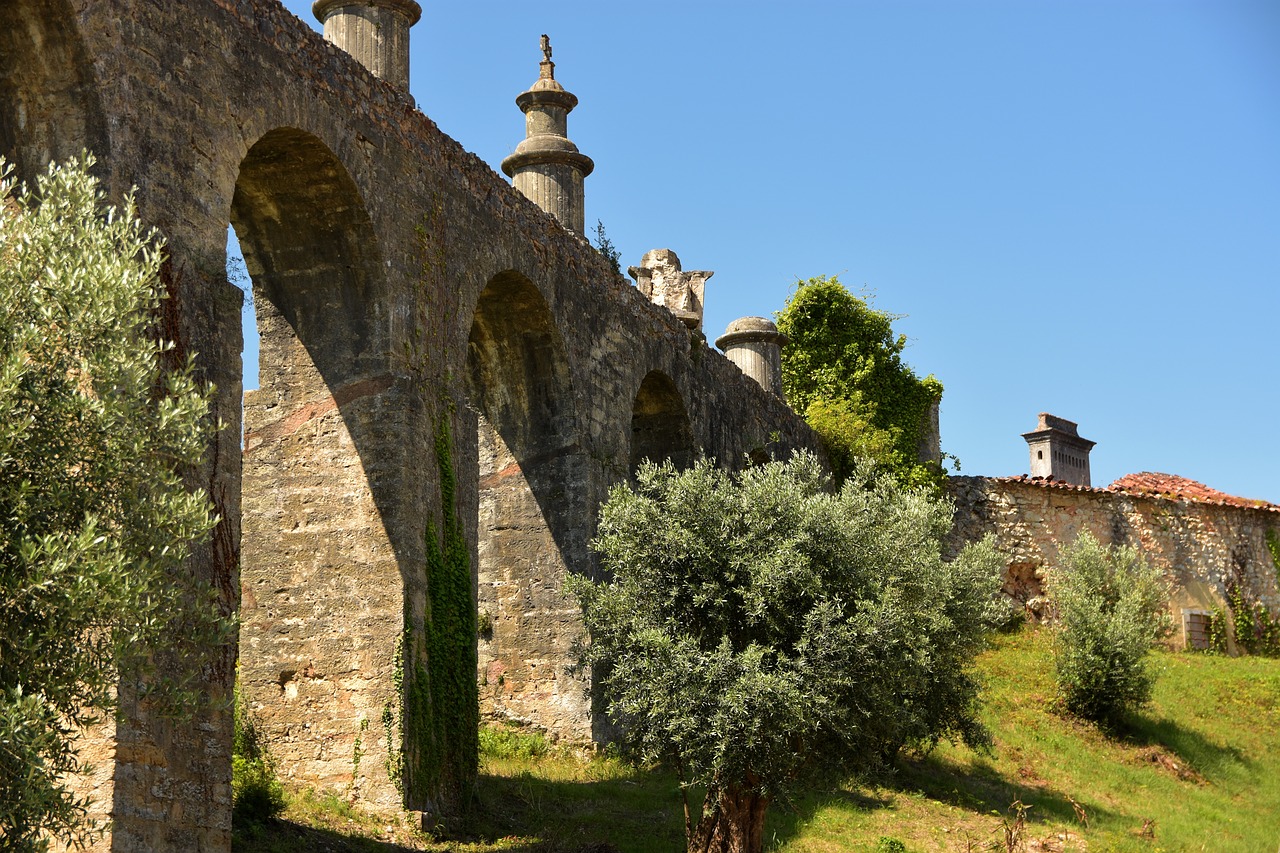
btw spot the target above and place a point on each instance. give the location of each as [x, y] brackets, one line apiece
[1205, 541]
[451, 380]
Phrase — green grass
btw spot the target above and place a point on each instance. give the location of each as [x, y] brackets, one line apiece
[1199, 769]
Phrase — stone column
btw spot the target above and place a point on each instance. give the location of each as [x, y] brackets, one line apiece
[755, 345]
[546, 167]
[375, 32]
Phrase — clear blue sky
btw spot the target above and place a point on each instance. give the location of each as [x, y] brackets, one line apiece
[1074, 205]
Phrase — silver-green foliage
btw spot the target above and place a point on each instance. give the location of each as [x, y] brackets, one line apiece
[1110, 611]
[95, 518]
[757, 626]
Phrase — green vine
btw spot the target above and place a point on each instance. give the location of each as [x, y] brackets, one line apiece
[1273, 545]
[843, 371]
[393, 719]
[1257, 631]
[357, 752]
[441, 709]
[1218, 630]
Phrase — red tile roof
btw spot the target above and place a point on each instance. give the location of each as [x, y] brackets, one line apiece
[1155, 485]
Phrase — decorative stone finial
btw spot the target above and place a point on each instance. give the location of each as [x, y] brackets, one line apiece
[375, 32]
[1058, 451]
[546, 167]
[755, 345]
[681, 292]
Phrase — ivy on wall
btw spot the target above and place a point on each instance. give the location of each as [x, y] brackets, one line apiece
[441, 715]
[1257, 631]
[843, 371]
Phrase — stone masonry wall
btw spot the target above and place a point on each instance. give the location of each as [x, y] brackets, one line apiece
[1202, 547]
[386, 262]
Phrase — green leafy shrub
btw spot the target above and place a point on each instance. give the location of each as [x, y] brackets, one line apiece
[1110, 607]
[256, 793]
[606, 248]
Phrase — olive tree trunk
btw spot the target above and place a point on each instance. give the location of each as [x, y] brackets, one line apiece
[732, 821]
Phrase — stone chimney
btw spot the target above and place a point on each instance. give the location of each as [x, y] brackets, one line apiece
[1058, 451]
[660, 278]
[546, 167]
[755, 345]
[375, 32]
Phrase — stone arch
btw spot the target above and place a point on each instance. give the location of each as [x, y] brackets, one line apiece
[660, 428]
[532, 515]
[322, 590]
[49, 108]
[311, 251]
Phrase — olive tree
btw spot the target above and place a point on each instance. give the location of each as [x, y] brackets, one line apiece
[95, 517]
[1110, 610]
[756, 628]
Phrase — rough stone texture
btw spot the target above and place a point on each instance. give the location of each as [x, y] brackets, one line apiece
[1201, 546]
[400, 283]
[680, 291]
[929, 448]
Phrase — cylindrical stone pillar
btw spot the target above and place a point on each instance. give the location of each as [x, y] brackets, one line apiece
[375, 32]
[546, 167]
[755, 345]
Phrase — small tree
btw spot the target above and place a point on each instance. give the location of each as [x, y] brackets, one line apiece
[1110, 611]
[758, 628]
[843, 370]
[95, 519]
[606, 248]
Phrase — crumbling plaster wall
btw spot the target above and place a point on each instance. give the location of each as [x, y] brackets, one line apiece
[1201, 547]
[363, 360]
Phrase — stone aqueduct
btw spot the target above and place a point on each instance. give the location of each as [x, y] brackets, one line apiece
[409, 301]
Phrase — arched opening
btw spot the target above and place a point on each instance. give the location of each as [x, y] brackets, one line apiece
[660, 424]
[49, 109]
[321, 587]
[532, 506]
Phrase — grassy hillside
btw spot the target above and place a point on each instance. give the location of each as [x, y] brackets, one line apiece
[1197, 770]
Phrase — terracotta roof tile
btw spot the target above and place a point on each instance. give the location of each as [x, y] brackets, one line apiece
[1171, 485]
[1154, 485]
